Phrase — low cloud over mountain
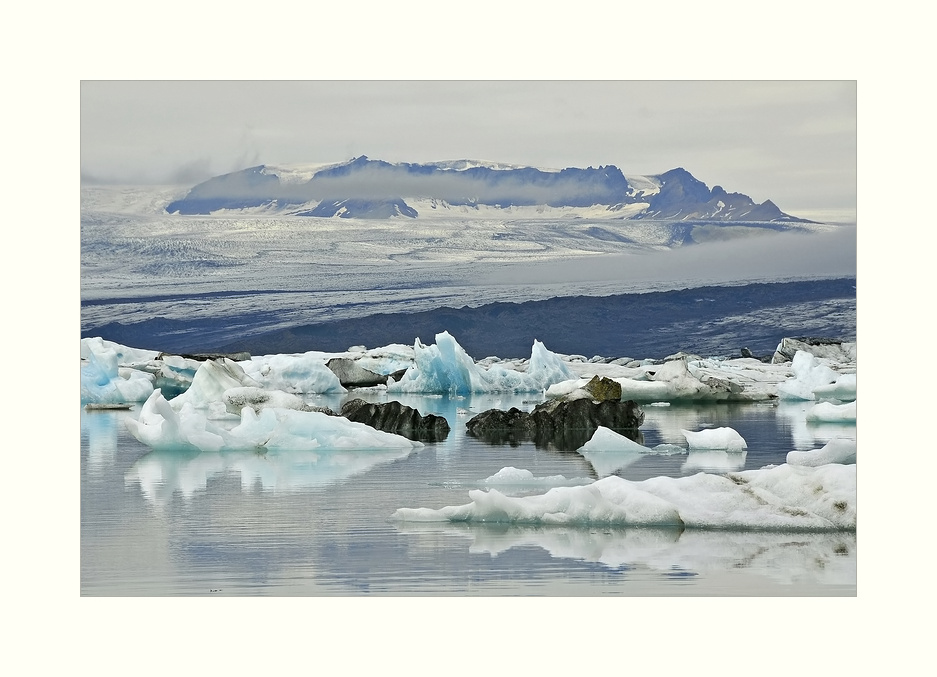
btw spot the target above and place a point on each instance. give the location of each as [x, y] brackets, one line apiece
[364, 188]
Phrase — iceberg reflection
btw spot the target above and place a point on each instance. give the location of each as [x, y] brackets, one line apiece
[161, 474]
[823, 558]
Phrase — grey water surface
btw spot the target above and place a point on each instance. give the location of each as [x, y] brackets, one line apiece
[180, 523]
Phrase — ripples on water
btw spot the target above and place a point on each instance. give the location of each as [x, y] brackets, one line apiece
[184, 523]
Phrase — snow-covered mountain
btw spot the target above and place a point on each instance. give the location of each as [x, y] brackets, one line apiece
[364, 188]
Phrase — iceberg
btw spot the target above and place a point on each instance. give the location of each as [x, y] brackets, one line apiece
[104, 377]
[296, 373]
[810, 373]
[511, 477]
[832, 413]
[782, 498]
[161, 426]
[726, 439]
[837, 450]
[842, 389]
[446, 368]
[684, 380]
[211, 381]
[608, 452]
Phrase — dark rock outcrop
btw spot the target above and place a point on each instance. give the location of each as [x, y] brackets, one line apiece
[558, 424]
[394, 417]
[242, 356]
[602, 388]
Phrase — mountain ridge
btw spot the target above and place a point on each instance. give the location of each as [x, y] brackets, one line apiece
[366, 188]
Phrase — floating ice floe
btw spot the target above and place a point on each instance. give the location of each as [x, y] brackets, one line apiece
[103, 378]
[843, 389]
[837, 450]
[785, 497]
[212, 379]
[683, 379]
[724, 439]
[812, 374]
[295, 373]
[161, 426]
[608, 452]
[832, 413]
[446, 368]
[511, 477]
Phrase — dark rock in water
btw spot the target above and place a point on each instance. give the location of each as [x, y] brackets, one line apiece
[497, 426]
[205, 357]
[558, 424]
[603, 389]
[394, 417]
[351, 375]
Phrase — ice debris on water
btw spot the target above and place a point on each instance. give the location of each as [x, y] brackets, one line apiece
[445, 367]
[783, 498]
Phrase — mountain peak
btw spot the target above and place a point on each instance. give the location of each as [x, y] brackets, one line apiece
[366, 188]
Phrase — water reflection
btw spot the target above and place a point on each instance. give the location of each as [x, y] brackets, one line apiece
[811, 434]
[318, 523]
[824, 558]
[714, 461]
[160, 474]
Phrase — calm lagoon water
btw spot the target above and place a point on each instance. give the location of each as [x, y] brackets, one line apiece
[318, 524]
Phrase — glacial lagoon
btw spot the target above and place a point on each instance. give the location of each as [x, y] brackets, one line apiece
[302, 523]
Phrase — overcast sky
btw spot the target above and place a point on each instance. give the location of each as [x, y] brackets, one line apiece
[793, 142]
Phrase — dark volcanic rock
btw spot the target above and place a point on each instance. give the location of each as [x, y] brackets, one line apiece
[204, 357]
[558, 424]
[394, 417]
[603, 389]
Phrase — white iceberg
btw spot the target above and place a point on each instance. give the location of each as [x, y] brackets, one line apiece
[211, 381]
[842, 389]
[725, 439]
[295, 373]
[104, 377]
[521, 478]
[235, 399]
[781, 498]
[682, 380]
[446, 368]
[837, 450]
[125, 355]
[827, 412]
[161, 426]
[811, 373]
[608, 452]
